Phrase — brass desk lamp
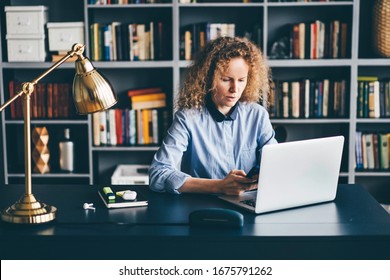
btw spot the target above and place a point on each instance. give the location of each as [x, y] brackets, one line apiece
[91, 93]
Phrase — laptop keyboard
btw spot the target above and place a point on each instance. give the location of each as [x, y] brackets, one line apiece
[250, 202]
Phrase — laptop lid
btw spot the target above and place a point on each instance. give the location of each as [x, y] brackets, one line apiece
[299, 173]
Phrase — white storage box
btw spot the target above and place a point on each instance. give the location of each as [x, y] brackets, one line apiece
[26, 19]
[26, 48]
[130, 174]
[63, 35]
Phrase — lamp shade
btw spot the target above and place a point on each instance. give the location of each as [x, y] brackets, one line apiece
[91, 91]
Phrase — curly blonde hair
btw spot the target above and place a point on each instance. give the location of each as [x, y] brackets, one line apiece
[211, 62]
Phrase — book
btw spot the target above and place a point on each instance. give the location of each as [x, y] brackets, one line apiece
[384, 151]
[285, 98]
[119, 202]
[160, 48]
[376, 100]
[307, 98]
[115, 27]
[375, 143]
[103, 127]
[145, 126]
[141, 41]
[16, 107]
[325, 99]
[108, 51]
[56, 101]
[358, 150]
[364, 152]
[149, 104]
[370, 151]
[295, 40]
[111, 131]
[148, 97]
[96, 128]
[132, 127]
[139, 126]
[141, 91]
[295, 99]
[119, 127]
[387, 98]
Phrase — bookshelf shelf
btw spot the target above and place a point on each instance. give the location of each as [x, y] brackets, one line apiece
[373, 121]
[282, 63]
[309, 121]
[49, 122]
[270, 16]
[52, 175]
[132, 6]
[35, 65]
[221, 5]
[309, 4]
[372, 173]
[132, 64]
[374, 62]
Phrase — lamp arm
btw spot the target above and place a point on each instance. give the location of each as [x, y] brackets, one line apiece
[11, 100]
[28, 88]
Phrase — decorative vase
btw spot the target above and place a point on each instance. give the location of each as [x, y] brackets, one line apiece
[40, 153]
[381, 27]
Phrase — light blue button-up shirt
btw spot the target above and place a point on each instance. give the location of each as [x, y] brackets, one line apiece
[206, 144]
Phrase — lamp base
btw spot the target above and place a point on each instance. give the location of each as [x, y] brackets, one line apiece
[29, 211]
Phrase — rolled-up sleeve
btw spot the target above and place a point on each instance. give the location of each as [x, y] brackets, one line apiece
[164, 172]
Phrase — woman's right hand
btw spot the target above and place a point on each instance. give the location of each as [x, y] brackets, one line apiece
[236, 183]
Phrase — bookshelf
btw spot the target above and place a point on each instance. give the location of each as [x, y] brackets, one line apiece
[98, 162]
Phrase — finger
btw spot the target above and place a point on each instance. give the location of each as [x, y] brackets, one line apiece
[240, 173]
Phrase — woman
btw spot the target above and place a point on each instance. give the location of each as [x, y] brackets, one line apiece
[219, 128]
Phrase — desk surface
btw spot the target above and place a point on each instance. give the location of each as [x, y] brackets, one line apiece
[354, 226]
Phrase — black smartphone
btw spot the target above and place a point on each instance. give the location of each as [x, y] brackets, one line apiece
[254, 171]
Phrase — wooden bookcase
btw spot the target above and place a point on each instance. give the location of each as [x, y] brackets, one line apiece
[96, 164]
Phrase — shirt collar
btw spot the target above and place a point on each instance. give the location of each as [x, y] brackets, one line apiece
[216, 114]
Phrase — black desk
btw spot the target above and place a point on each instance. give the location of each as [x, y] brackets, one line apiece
[354, 226]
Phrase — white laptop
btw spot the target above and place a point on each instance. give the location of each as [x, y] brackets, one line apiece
[294, 174]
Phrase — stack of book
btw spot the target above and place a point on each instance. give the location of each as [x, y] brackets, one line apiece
[118, 41]
[195, 36]
[144, 123]
[308, 99]
[147, 98]
[317, 39]
[48, 101]
[373, 100]
[372, 151]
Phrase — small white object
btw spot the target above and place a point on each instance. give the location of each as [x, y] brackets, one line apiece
[88, 206]
[129, 195]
